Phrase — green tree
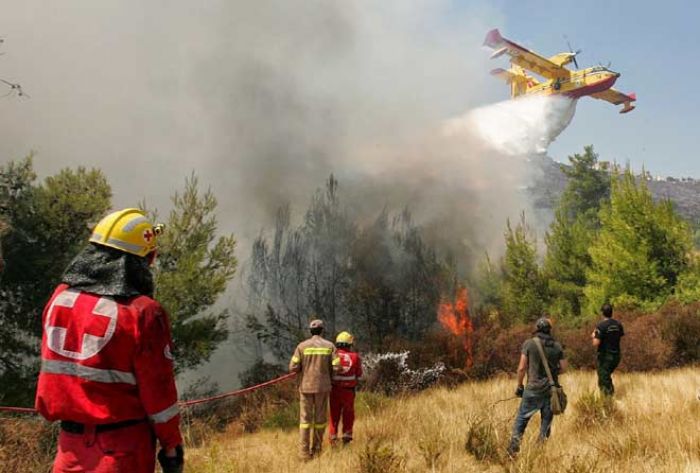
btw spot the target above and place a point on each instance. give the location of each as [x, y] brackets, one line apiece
[688, 286]
[641, 250]
[574, 227]
[587, 188]
[193, 270]
[46, 225]
[488, 288]
[524, 289]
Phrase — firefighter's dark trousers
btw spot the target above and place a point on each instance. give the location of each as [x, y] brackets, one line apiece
[313, 417]
[607, 362]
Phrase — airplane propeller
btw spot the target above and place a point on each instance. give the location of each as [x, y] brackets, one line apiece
[571, 50]
[575, 53]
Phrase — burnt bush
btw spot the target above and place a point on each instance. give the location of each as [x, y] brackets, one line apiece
[496, 349]
[681, 329]
[643, 346]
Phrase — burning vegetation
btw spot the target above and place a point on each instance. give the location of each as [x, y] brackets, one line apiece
[454, 317]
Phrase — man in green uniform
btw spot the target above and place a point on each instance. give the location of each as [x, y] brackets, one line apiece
[606, 337]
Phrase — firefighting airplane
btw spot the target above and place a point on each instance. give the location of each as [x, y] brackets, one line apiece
[594, 81]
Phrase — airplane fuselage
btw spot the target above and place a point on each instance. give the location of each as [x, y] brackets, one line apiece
[579, 83]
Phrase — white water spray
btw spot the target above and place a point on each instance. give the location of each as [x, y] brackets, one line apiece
[517, 127]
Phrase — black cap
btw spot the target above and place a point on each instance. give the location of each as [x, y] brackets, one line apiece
[543, 325]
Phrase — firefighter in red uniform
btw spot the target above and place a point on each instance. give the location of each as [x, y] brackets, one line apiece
[344, 384]
[106, 357]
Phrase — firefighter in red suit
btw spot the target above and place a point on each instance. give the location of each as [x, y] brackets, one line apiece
[106, 357]
[344, 384]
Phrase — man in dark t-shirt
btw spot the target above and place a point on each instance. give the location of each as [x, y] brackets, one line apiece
[606, 337]
[536, 394]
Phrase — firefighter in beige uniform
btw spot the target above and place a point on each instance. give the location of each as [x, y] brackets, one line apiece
[316, 360]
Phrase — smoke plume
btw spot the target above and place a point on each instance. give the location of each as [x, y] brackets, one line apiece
[263, 100]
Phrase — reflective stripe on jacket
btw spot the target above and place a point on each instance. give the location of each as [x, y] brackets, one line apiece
[316, 360]
[349, 371]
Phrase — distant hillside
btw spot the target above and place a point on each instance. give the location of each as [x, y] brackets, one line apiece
[684, 193]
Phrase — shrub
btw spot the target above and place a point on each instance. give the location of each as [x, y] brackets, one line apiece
[285, 417]
[483, 440]
[496, 349]
[578, 349]
[593, 409]
[378, 457]
[643, 347]
[260, 372]
[368, 402]
[681, 329]
[432, 445]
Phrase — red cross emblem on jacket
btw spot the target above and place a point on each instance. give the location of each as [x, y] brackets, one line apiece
[105, 360]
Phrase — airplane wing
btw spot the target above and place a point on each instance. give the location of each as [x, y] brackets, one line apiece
[616, 97]
[523, 57]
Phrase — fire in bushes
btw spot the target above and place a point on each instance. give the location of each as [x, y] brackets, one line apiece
[454, 317]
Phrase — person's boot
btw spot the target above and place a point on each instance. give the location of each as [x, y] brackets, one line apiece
[346, 441]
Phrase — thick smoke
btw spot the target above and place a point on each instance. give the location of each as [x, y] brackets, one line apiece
[263, 100]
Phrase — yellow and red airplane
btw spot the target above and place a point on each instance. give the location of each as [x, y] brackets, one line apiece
[558, 80]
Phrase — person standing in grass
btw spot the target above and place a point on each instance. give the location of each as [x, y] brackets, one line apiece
[344, 387]
[606, 337]
[315, 359]
[536, 395]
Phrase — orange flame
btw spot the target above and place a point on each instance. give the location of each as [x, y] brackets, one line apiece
[454, 317]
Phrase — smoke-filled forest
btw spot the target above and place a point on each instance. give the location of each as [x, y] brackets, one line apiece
[385, 278]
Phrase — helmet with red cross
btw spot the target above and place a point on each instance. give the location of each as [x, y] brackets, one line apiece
[128, 230]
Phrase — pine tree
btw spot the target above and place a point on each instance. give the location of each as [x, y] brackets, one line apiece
[524, 289]
[194, 268]
[573, 230]
[488, 285]
[640, 251]
[587, 188]
[47, 224]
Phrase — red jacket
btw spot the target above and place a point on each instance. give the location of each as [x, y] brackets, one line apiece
[350, 369]
[106, 360]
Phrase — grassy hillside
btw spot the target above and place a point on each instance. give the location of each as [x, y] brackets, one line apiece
[652, 426]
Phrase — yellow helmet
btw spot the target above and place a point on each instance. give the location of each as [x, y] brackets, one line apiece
[128, 230]
[345, 337]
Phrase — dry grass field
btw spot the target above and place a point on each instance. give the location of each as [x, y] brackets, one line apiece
[652, 426]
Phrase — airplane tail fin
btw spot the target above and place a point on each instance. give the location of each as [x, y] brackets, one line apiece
[493, 39]
[628, 107]
[518, 80]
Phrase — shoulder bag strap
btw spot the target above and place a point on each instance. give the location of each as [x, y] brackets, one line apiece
[538, 342]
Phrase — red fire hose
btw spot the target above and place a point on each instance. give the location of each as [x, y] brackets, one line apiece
[192, 402]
